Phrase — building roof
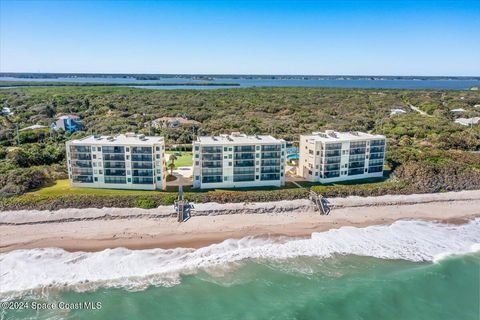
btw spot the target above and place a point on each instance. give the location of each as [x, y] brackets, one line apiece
[334, 136]
[68, 116]
[121, 139]
[236, 138]
[468, 121]
[34, 127]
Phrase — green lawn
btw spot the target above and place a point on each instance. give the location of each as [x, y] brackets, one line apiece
[185, 160]
[62, 187]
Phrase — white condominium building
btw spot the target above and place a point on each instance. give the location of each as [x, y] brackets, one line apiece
[339, 156]
[126, 161]
[238, 160]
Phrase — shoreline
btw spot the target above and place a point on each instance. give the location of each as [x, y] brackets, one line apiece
[99, 229]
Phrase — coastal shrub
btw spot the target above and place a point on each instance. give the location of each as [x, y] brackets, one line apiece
[146, 203]
[366, 189]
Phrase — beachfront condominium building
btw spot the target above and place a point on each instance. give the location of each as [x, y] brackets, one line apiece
[339, 156]
[126, 161]
[238, 160]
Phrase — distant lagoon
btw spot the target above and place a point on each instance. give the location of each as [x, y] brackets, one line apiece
[447, 84]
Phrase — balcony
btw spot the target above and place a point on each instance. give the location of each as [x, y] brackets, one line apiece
[269, 177]
[271, 170]
[142, 157]
[114, 157]
[240, 178]
[82, 172]
[142, 165]
[244, 156]
[142, 173]
[212, 157]
[84, 149]
[114, 150]
[244, 163]
[212, 164]
[352, 172]
[244, 149]
[272, 148]
[334, 153]
[82, 179]
[81, 164]
[270, 163]
[212, 179]
[115, 180]
[245, 170]
[271, 155]
[377, 149]
[375, 169]
[332, 167]
[212, 150]
[357, 164]
[141, 150]
[212, 172]
[375, 162]
[137, 180]
[80, 156]
[331, 174]
[354, 151]
[114, 173]
[376, 156]
[332, 160]
[333, 146]
[113, 164]
[374, 143]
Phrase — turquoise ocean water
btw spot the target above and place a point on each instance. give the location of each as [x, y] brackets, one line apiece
[408, 274]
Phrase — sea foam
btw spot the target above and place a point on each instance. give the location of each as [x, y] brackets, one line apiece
[24, 271]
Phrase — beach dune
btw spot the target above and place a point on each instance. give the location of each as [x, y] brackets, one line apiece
[98, 229]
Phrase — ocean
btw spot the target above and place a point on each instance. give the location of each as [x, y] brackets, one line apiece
[407, 270]
[411, 84]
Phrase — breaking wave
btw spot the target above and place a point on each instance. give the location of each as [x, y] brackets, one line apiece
[26, 271]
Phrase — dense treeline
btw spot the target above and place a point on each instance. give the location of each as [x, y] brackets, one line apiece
[429, 151]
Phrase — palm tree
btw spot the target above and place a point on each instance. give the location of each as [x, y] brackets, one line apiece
[172, 163]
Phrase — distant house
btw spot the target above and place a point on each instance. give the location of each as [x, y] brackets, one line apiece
[69, 123]
[397, 111]
[6, 111]
[468, 121]
[34, 127]
[459, 110]
[172, 122]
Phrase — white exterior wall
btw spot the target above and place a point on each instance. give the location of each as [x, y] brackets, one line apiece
[158, 160]
[228, 160]
[316, 162]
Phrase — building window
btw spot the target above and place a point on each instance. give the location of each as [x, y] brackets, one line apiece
[197, 148]
[257, 163]
[96, 179]
[128, 172]
[257, 169]
[157, 148]
[230, 149]
[94, 164]
[197, 155]
[129, 179]
[159, 171]
[366, 170]
[230, 164]
[225, 178]
[197, 163]
[159, 178]
[230, 156]
[127, 149]
[99, 148]
[318, 153]
[127, 157]
[257, 155]
[257, 147]
[157, 156]
[197, 178]
[257, 177]
[94, 156]
[225, 157]
[225, 148]
[100, 171]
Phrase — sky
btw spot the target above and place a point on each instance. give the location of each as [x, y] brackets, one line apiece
[432, 38]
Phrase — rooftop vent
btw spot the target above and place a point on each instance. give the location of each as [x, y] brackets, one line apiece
[97, 137]
[229, 138]
[110, 138]
[331, 133]
[236, 134]
[214, 138]
[130, 134]
[355, 133]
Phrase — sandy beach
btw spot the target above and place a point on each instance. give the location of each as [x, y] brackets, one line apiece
[98, 229]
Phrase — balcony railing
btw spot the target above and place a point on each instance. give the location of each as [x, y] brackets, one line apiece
[212, 172]
[114, 157]
[138, 180]
[375, 162]
[334, 153]
[79, 149]
[332, 167]
[212, 179]
[244, 149]
[377, 149]
[356, 164]
[142, 173]
[331, 174]
[212, 157]
[271, 155]
[332, 160]
[357, 151]
[333, 146]
[114, 173]
[272, 148]
[240, 178]
[82, 179]
[352, 172]
[113, 164]
[244, 163]
[82, 172]
[141, 157]
[112, 149]
[271, 170]
[244, 170]
[81, 164]
[375, 169]
[142, 165]
[212, 164]
[212, 150]
[269, 177]
[244, 156]
[141, 150]
[115, 180]
[80, 156]
[270, 163]
[374, 143]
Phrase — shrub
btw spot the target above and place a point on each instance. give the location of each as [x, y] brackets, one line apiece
[146, 203]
